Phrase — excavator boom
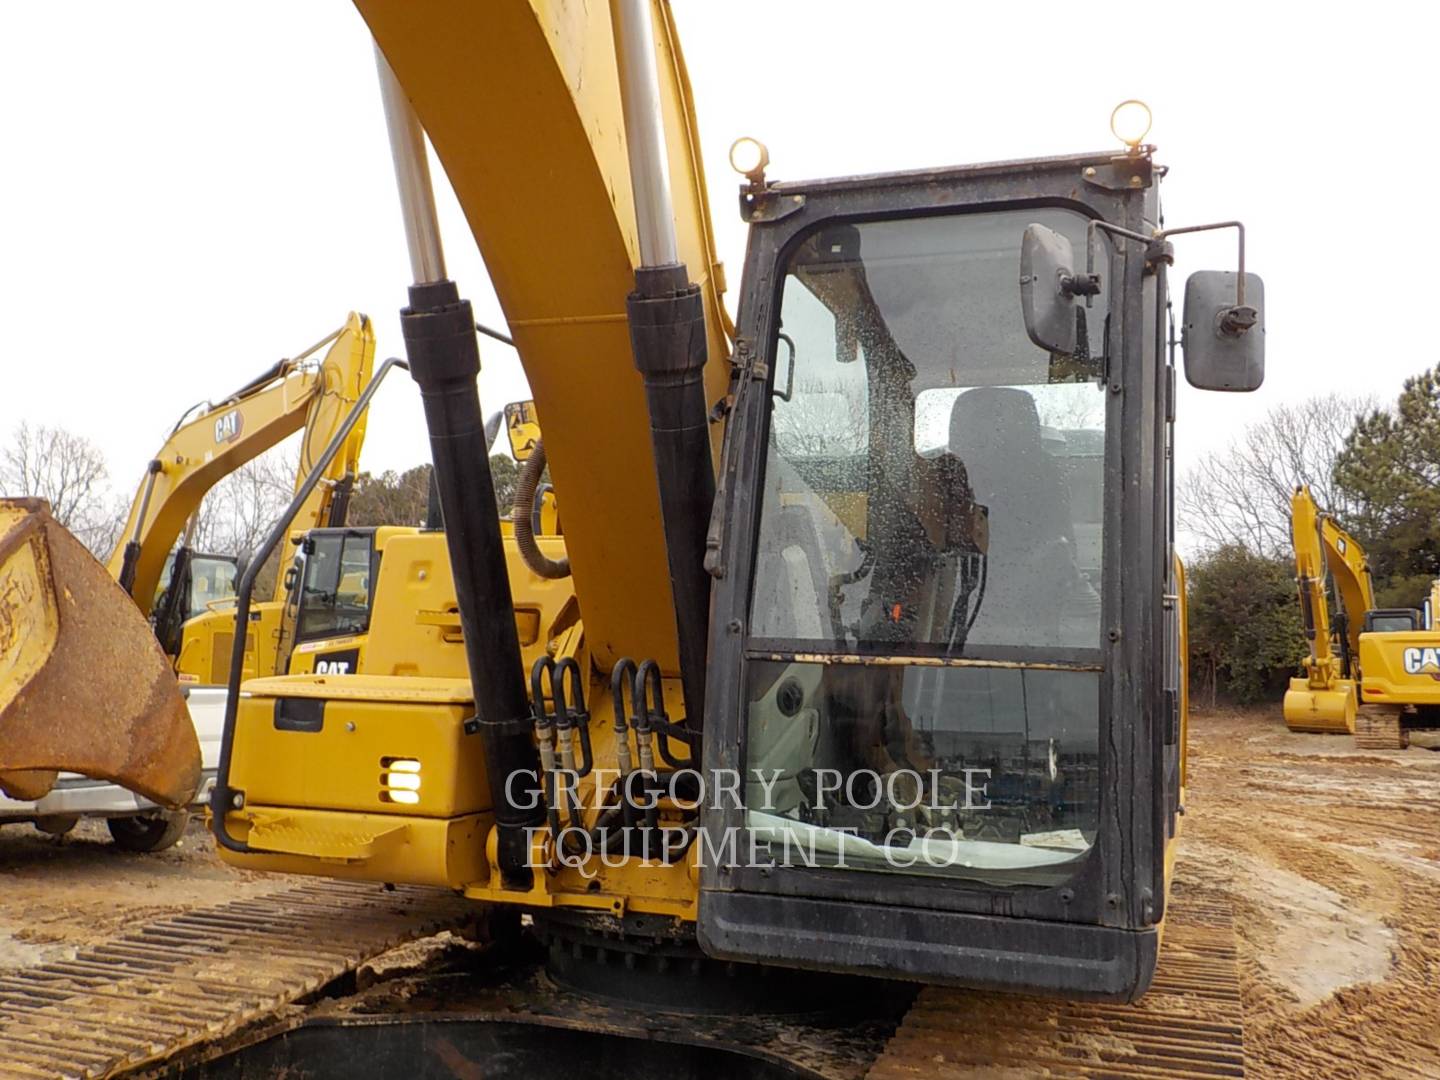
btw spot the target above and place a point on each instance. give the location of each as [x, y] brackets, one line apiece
[219, 439]
[490, 83]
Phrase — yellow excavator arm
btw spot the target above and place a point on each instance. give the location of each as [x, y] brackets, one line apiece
[218, 440]
[343, 375]
[509, 76]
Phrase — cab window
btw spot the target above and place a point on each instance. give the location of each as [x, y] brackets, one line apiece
[335, 588]
[924, 659]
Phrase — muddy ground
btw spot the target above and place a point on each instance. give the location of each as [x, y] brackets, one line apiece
[58, 894]
[1331, 857]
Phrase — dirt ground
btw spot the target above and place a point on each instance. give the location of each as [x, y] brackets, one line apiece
[58, 894]
[1330, 856]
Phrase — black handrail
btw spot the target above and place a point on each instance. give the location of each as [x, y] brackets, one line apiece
[221, 796]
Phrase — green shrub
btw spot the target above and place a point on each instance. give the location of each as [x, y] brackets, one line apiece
[1245, 634]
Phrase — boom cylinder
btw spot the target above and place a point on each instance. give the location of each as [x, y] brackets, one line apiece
[439, 330]
[667, 336]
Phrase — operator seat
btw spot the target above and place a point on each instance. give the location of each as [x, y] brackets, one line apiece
[995, 432]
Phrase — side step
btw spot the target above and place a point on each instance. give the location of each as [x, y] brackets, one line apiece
[192, 978]
[1188, 1026]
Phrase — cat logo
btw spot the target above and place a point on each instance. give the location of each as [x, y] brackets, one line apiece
[1422, 662]
[228, 425]
[338, 663]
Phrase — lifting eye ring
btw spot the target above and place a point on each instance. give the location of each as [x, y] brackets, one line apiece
[748, 157]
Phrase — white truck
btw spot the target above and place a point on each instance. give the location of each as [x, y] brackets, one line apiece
[135, 823]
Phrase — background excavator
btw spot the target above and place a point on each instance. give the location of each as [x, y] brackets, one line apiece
[825, 576]
[1371, 672]
[187, 594]
[89, 660]
[347, 579]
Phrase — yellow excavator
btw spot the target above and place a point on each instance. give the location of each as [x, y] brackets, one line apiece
[89, 659]
[189, 596]
[1370, 672]
[845, 688]
[346, 580]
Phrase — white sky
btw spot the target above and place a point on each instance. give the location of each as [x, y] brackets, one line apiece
[188, 194]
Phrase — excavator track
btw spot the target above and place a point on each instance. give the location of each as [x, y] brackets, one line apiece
[1378, 727]
[1188, 1026]
[197, 977]
[522, 1023]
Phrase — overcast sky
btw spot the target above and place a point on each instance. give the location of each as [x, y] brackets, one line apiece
[191, 191]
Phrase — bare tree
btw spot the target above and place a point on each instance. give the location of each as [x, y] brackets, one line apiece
[396, 498]
[69, 472]
[240, 509]
[821, 419]
[1241, 495]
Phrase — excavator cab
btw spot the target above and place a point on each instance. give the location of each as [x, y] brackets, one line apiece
[944, 644]
[331, 598]
[1393, 621]
[193, 583]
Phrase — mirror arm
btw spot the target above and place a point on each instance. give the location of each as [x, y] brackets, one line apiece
[1239, 318]
[1239, 227]
[1097, 224]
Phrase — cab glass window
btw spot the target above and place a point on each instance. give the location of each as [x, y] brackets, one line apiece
[335, 587]
[925, 609]
[212, 582]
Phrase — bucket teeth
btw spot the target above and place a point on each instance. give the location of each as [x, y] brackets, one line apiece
[84, 685]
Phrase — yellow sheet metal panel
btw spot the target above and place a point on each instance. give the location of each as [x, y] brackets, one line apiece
[411, 758]
[402, 850]
[396, 689]
[521, 101]
[415, 627]
[1400, 668]
[206, 641]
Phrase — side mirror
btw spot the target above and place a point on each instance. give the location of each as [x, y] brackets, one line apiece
[1049, 286]
[1224, 331]
[523, 428]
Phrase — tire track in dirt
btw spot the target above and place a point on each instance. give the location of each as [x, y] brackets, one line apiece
[1332, 861]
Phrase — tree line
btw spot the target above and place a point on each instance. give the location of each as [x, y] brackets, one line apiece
[1373, 466]
[70, 472]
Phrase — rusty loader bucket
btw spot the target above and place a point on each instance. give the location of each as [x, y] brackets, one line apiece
[84, 686]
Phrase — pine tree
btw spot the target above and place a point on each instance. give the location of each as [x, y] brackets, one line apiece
[1389, 469]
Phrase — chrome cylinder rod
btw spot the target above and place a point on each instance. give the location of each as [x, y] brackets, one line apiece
[412, 178]
[645, 132]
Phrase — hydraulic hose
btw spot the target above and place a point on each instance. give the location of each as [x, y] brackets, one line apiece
[523, 518]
